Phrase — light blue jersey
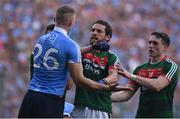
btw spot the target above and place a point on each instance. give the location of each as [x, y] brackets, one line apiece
[52, 53]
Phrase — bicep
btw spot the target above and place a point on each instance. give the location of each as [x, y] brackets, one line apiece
[163, 81]
[170, 69]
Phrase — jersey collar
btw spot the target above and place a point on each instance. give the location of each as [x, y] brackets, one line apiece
[60, 29]
[164, 57]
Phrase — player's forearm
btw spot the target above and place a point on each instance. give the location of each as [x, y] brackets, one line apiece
[120, 96]
[153, 84]
[76, 72]
[88, 83]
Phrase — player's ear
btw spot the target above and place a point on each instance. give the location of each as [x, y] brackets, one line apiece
[108, 38]
[70, 23]
[165, 47]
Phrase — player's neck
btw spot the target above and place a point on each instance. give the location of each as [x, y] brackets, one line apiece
[156, 59]
[64, 27]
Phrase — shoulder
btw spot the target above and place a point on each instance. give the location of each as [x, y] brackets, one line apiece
[169, 61]
[65, 40]
[72, 44]
[44, 36]
[170, 64]
[112, 54]
[141, 66]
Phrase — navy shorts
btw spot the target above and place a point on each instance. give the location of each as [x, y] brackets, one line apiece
[41, 105]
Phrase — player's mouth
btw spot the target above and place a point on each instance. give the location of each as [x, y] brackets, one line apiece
[94, 38]
[151, 51]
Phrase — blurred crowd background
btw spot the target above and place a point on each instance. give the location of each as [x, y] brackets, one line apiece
[23, 21]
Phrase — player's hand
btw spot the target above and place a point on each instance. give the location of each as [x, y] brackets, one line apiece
[93, 41]
[101, 92]
[122, 71]
[100, 45]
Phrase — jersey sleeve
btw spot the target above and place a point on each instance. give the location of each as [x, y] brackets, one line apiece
[170, 70]
[113, 59]
[74, 54]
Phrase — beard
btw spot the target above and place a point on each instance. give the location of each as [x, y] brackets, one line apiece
[93, 40]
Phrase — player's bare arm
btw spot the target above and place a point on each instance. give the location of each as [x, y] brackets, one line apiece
[154, 84]
[76, 72]
[112, 77]
[69, 84]
[124, 95]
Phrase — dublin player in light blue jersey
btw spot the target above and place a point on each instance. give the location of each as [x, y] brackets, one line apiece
[54, 55]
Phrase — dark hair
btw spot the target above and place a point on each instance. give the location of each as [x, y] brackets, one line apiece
[49, 28]
[108, 29]
[165, 38]
[64, 14]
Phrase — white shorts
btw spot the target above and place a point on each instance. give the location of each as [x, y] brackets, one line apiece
[85, 112]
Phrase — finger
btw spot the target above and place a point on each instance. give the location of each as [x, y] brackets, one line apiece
[120, 72]
[114, 84]
[128, 89]
[117, 68]
[117, 65]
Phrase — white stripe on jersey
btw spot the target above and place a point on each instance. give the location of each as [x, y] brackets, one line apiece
[172, 70]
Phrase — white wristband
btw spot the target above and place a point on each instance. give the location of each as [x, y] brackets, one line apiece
[133, 77]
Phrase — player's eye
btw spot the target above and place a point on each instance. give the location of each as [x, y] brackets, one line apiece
[98, 30]
[153, 42]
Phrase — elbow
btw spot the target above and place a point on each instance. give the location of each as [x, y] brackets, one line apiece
[79, 81]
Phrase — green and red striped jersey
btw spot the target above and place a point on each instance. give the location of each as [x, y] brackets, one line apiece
[152, 103]
[96, 66]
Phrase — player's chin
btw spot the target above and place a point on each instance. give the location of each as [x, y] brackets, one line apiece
[151, 53]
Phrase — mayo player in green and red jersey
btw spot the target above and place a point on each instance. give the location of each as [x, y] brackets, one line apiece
[157, 80]
[98, 65]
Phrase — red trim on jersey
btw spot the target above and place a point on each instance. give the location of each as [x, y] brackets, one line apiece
[164, 57]
[111, 67]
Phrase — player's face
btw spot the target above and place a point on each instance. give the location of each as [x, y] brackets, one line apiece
[98, 32]
[156, 47]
